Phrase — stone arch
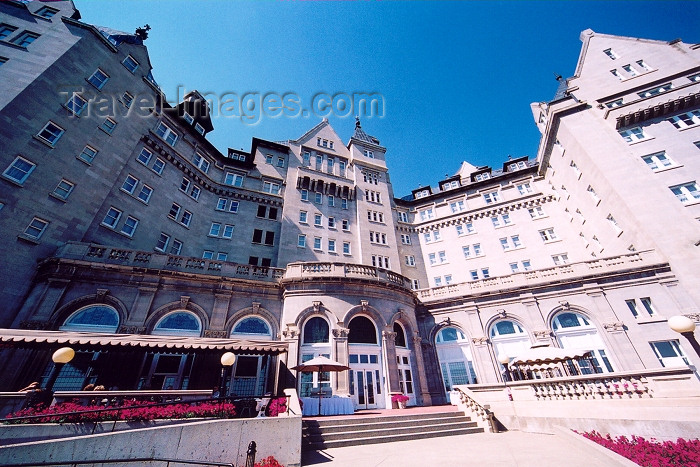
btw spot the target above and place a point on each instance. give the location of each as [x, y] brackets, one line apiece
[317, 310]
[506, 317]
[183, 304]
[364, 309]
[567, 307]
[102, 297]
[254, 311]
[437, 327]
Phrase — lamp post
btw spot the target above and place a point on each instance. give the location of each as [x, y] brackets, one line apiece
[60, 358]
[227, 361]
[686, 328]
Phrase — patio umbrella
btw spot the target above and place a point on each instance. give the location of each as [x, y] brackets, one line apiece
[320, 364]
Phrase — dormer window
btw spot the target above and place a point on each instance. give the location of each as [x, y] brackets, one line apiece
[517, 166]
[610, 53]
[199, 128]
[188, 118]
[450, 185]
[421, 194]
[482, 176]
[46, 12]
[655, 91]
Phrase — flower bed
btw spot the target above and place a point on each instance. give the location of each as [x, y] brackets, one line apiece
[72, 412]
[651, 453]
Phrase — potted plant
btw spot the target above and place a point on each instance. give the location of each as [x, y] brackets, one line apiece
[400, 400]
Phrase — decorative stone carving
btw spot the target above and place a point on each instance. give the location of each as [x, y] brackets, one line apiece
[694, 316]
[317, 307]
[364, 304]
[341, 332]
[389, 336]
[542, 334]
[256, 308]
[217, 334]
[100, 295]
[291, 332]
[184, 300]
[565, 305]
[483, 340]
[131, 330]
[614, 327]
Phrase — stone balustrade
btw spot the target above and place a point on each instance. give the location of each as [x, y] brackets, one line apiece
[143, 259]
[323, 270]
[531, 278]
[483, 416]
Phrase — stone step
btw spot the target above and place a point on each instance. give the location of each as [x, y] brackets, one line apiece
[388, 438]
[371, 424]
[362, 419]
[394, 430]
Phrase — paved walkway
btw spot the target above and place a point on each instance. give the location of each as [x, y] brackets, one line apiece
[509, 449]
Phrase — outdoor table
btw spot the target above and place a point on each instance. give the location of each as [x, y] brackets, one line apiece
[329, 406]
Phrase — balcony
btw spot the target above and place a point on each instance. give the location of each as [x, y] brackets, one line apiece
[322, 270]
[92, 253]
[567, 272]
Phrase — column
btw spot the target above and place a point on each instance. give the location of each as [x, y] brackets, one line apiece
[46, 303]
[219, 312]
[140, 307]
[426, 399]
[389, 350]
[290, 335]
[342, 355]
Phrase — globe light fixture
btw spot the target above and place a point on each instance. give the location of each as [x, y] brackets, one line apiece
[59, 358]
[227, 361]
[686, 328]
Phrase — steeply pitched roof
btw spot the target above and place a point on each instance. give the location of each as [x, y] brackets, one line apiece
[360, 135]
[117, 37]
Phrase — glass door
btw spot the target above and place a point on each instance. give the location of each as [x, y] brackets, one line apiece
[365, 388]
[406, 377]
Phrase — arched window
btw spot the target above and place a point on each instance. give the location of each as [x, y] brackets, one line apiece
[506, 328]
[400, 335]
[455, 357]
[96, 318]
[509, 339]
[362, 331]
[575, 331]
[450, 335]
[316, 331]
[178, 323]
[252, 326]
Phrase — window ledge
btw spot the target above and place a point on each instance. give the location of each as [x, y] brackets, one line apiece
[58, 198]
[14, 182]
[651, 320]
[105, 131]
[641, 140]
[43, 141]
[14, 46]
[689, 127]
[665, 169]
[692, 203]
[546, 242]
[95, 87]
[83, 161]
[28, 239]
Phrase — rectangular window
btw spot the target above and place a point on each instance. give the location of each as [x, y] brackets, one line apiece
[167, 133]
[208, 254]
[344, 203]
[403, 216]
[485, 273]
[632, 305]
[87, 154]
[186, 218]
[613, 104]
[51, 133]
[593, 194]
[19, 170]
[228, 231]
[330, 165]
[560, 259]
[127, 100]
[262, 211]
[112, 217]
[162, 243]
[6, 31]
[36, 228]
[301, 241]
[280, 162]
[98, 79]
[306, 161]
[410, 260]
[317, 243]
[633, 134]
[426, 214]
[657, 161]
[200, 129]
[524, 188]
[432, 259]
[646, 302]
[304, 195]
[201, 163]
[406, 239]
[215, 229]
[144, 156]
[442, 257]
[129, 184]
[415, 284]
[269, 238]
[331, 222]
[318, 198]
[492, 197]
[174, 211]
[613, 223]
[655, 91]
[130, 63]
[686, 193]
[318, 220]
[536, 212]
[331, 200]
[331, 246]
[610, 53]
[63, 189]
[457, 206]
[643, 65]
[319, 162]
[145, 193]
[176, 247]
[345, 224]
[268, 159]
[346, 248]
[108, 125]
[548, 235]
[369, 154]
[630, 70]
[303, 217]
[686, 120]
[273, 188]
[257, 236]
[438, 281]
[221, 256]
[129, 226]
[221, 204]
[233, 207]
[669, 353]
[233, 179]
[76, 104]
[25, 38]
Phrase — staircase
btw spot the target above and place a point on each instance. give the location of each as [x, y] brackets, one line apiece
[359, 429]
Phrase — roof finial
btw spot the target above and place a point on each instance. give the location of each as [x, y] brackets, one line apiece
[142, 33]
[357, 121]
[558, 77]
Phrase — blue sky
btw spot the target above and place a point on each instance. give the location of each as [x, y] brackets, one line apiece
[457, 78]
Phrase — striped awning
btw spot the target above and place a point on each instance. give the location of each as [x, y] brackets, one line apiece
[30, 338]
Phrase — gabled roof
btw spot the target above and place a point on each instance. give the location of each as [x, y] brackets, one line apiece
[117, 37]
[307, 136]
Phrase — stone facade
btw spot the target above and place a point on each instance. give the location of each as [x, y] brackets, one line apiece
[304, 242]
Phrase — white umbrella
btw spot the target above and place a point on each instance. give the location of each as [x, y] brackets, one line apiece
[320, 364]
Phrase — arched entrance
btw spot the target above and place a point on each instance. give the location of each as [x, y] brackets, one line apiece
[315, 341]
[249, 373]
[365, 364]
[455, 357]
[403, 362]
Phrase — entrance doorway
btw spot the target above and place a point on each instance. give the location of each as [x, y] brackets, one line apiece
[365, 381]
[167, 371]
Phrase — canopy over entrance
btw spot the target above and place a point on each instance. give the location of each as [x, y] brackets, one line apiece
[30, 338]
[539, 355]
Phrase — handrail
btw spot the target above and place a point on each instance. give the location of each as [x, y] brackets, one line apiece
[139, 460]
[479, 410]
